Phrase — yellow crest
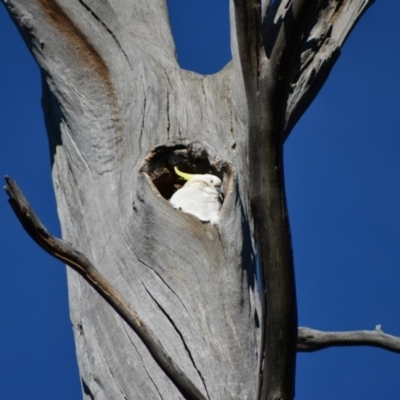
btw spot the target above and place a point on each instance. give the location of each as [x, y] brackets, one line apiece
[184, 175]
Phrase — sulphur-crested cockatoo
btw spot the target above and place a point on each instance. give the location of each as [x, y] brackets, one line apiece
[200, 196]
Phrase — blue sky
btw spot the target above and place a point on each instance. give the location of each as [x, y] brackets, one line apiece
[342, 173]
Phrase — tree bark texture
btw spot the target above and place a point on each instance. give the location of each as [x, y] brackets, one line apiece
[120, 114]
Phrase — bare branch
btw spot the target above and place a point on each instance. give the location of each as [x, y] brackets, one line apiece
[270, 44]
[65, 252]
[272, 40]
[284, 31]
[281, 39]
[247, 24]
[313, 340]
[267, 53]
[326, 33]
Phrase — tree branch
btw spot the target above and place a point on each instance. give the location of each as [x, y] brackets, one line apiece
[65, 252]
[327, 30]
[272, 40]
[247, 24]
[281, 36]
[266, 53]
[313, 340]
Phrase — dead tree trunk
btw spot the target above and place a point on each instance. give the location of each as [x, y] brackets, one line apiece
[120, 114]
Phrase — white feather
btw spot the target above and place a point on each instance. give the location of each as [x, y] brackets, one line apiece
[200, 196]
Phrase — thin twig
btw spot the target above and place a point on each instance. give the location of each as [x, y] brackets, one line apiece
[65, 252]
[313, 340]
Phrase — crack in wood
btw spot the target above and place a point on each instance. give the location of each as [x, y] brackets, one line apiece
[168, 117]
[96, 17]
[129, 244]
[181, 336]
[86, 389]
[142, 127]
[143, 363]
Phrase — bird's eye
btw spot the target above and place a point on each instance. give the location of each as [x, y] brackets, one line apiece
[211, 181]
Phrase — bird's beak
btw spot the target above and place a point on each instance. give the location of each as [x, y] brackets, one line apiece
[184, 175]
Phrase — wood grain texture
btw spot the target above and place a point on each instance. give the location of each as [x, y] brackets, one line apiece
[113, 93]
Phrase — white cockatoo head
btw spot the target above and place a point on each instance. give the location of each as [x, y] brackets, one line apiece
[199, 196]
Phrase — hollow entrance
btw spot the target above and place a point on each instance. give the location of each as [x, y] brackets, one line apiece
[193, 157]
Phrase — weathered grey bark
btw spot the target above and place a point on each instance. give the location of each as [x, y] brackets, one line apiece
[120, 114]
